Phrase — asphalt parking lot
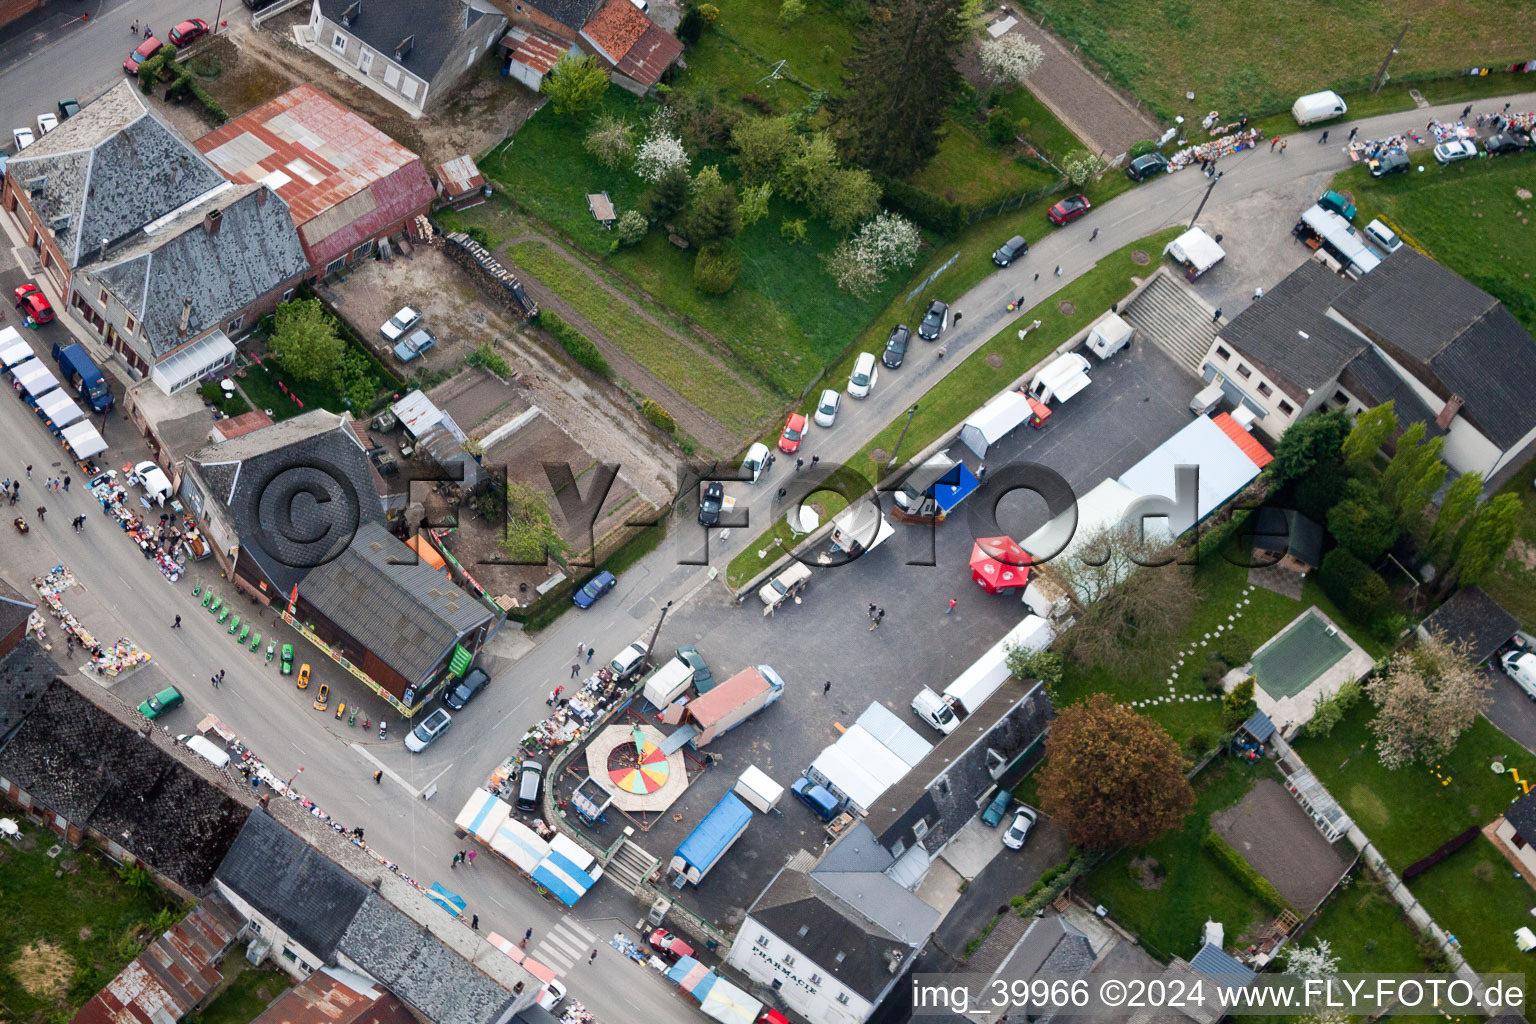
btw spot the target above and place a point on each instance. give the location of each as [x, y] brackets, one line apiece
[1135, 402]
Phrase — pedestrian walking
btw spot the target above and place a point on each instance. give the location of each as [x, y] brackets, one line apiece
[1258, 293]
[981, 475]
[135, 28]
[29, 472]
[1058, 270]
[815, 459]
[826, 687]
[527, 935]
[455, 862]
[1037, 277]
[148, 31]
[1090, 238]
[952, 603]
[1352, 133]
[780, 495]
[581, 645]
[177, 623]
[378, 776]
[1273, 142]
[1322, 138]
[954, 321]
[221, 675]
[1465, 111]
[871, 609]
[471, 858]
[1216, 316]
[66, 479]
[474, 921]
[592, 959]
[1506, 108]
[799, 465]
[590, 651]
[215, 681]
[1283, 144]
[42, 513]
[575, 670]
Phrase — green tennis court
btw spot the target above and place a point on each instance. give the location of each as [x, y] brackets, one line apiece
[1289, 663]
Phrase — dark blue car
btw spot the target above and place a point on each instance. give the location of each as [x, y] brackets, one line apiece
[596, 587]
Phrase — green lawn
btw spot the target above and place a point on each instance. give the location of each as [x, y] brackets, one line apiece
[246, 994]
[1045, 132]
[233, 405]
[813, 47]
[1411, 811]
[975, 173]
[1196, 887]
[261, 383]
[1474, 895]
[1367, 930]
[694, 375]
[1259, 55]
[725, 70]
[64, 936]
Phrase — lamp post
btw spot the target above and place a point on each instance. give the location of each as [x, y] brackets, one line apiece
[904, 427]
[1208, 188]
[288, 786]
[655, 633]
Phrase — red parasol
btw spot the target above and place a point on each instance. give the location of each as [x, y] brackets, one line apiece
[998, 563]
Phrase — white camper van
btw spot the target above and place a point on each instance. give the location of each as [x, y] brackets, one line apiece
[1109, 335]
[1319, 106]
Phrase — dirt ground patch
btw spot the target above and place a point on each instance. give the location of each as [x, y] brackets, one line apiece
[43, 969]
[1149, 873]
[1272, 832]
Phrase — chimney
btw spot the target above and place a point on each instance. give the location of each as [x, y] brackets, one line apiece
[186, 316]
[261, 198]
[101, 253]
[266, 798]
[1452, 407]
[212, 221]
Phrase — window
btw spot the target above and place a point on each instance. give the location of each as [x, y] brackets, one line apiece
[338, 42]
[815, 979]
[789, 959]
[1244, 371]
[234, 325]
[1266, 390]
[364, 60]
[842, 997]
[1286, 408]
[805, 930]
[1519, 841]
[919, 829]
[288, 955]
[408, 88]
[363, 250]
[101, 293]
[1341, 398]
[762, 940]
[287, 295]
[130, 325]
[1222, 353]
[839, 958]
[338, 263]
[391, 75]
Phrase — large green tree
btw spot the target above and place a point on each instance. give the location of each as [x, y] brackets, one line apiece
[762, 145]
[1361, 523]
[531, 537]
[575, 85]
[713, 214]
[1308, 442]
[669, 195]
[899, 81]
[849, 197]
[1485, 539]
[1414, 474]
[1373, 428]
[305, 341]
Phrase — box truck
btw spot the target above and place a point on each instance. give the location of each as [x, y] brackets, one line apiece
[80, 373]
[728, 705]
[1061, 379]
[709, 840]
[981, 680]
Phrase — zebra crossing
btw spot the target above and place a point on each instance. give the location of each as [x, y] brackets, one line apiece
[565, 945]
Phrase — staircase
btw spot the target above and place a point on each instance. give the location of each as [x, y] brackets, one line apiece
[630, 866]
[1173, 317]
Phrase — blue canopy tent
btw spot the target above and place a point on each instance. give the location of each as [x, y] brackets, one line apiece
[559, 875]
[954, 487]
[449, 901]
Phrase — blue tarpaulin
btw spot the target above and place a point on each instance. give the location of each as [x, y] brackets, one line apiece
[954, 487]
[563, 878]
[449, 901]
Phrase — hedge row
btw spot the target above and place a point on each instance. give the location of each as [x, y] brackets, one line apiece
[1242, 872]
[924, 208]
[578, 345]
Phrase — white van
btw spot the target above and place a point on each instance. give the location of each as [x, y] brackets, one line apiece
[206, 748]
[1378, 232]
[863, 377]
[1109, 335]
[1318, 106]
[777, 589]
[1062, 379]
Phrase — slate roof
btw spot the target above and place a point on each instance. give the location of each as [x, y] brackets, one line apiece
[1290, 336]
[1370, 379]
[1288, 531]
[254, 252]
[112, 168]
[796, 911]
[435, 26]
[334, 995]
[573, 14]
[25, 672]
[1472, 617]
[292, 884]
[395, 604]
[256, 476]
[1457, 333]
[1048, 946]
[15, 609]
[343, 179]
[1522, 815]
[94, 766]
[854, 872]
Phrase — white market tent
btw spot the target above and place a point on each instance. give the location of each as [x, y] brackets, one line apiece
[1197, 249]
[13, 349]
[1062, 538]
[520, 844]
[887, 727]
[83, 440]
[1341, 237]
[994, 421]
[1224, 468]
[861, 766]
[836, 768]
[728, 1004]
[36, 379]
[59, 409]
[482, 815]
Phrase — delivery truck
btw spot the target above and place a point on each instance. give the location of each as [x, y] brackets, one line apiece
[722, 709]
[710, 839]
[981, 680]
[80, 373]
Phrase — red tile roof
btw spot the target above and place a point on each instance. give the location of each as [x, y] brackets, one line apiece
[656, 51]
[333, 996]
[617, 26]
[533, 48]
[242, 424]
[1243, 440]
[343, 180]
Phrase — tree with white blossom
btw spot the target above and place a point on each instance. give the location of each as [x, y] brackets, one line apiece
[1081, 165]
[888, 242]
[659, 153]
[1010, 58]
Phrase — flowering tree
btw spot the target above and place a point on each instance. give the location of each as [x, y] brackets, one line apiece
[1315, 961]
[611, 141]
[1011, 58]
[659, 153]
[889, 242]
[1081, 165]
[1428, 695]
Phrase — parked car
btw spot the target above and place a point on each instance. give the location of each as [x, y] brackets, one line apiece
[826, 408]
[993, 815]
[1014, 837]
[286, 659]
[395, 327]
[21, 138]
[756, 460]
[168, 699]
[473, 682]
[189, 31]
[1378, 232]
[794, 431]
[818, 798]
[710, 503]
[896, 346]
[1069, 209]
[703, 678]
[46, 123]
[628, 661]
[934, 321]
[595, 588]
[1505, 142]
[530, 781]
[304, 676]
[1388, 163]
[1331, 200]
[862, 380]
[68, 108]
[1148, 165]
[551, 995]
[1520, 665]
[145, 50]
[425, 734]
[668, 946]
[1456, 149]
[418, 343]
[1010, 251]
[322, 697]
[31, 301]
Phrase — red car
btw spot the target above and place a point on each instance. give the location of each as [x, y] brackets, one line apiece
[1069, 209]
[147, 49]
[189, 31]
[794, 430]
[34, 303]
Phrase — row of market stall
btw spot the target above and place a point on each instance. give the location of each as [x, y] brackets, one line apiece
[168, 540]
[575, 713]
[35, 384]
[552, 861]
[718, 999]
[109, 660]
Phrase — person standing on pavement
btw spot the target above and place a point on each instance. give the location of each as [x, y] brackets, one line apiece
[377, 776]
[66, 479]
[592, 959]
[575, 669]
[470, 858]
[1352, 133]
[1090, 238]
[177, 623]
[952, 603]
[42, 513]
[455, 862]
[1322, 138]
[590, 651]
[474, 921]
[1216, 316]
[1273, 142]
[215, 681]
[871, 609]
[29, 472]
[826, 688]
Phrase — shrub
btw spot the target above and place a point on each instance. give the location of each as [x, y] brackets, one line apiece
[1080, 165]
[1199, 743]
[1141, 148]
[1353, 585]
[631, 229]
[755, 101]
[709, 12]
[923, 207]
[791, 11]
[1238, 706]
[1001, 127]
[792, 231]
[488, 358]
[611, 141]
[1329, 712]
[476, 233]
[691, 27]
[1242, 872]
[716, 268]
[577, 345]
[658, 416]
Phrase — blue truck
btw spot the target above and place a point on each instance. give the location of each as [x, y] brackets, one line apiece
[709, 840]
[84, 376]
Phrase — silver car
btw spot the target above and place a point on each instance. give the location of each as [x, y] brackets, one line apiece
[395, 327]
[826, 409]
[421, 737]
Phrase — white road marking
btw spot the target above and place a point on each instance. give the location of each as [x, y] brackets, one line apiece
[386, 769]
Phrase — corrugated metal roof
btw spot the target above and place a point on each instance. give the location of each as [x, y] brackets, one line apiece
[534, 49]
[460, 175]
[650, 56]
[1244, 440]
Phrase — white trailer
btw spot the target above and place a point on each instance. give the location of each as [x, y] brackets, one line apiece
[1109, 335]
[860, 528]
[995, 421]
[1062, 379]
[1197, 250]
[755, 787]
